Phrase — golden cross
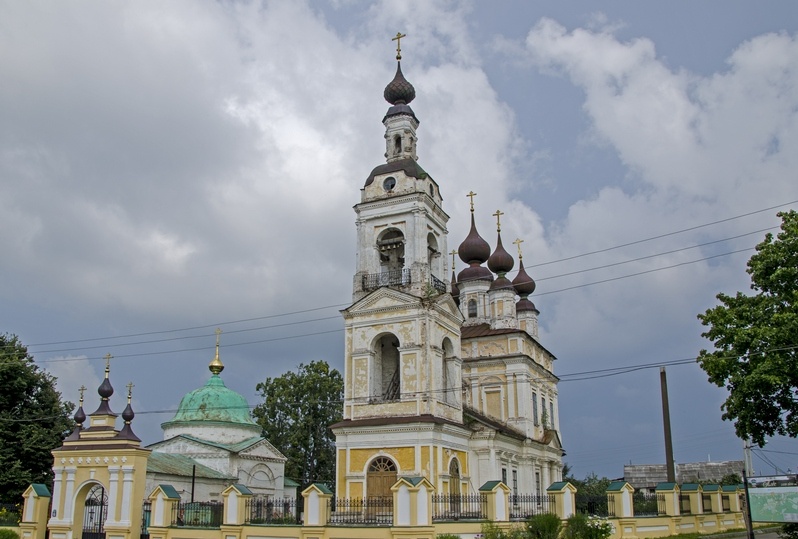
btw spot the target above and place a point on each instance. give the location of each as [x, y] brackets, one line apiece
[218, 332]
[498, 216]
[82, 388]
[108, 362]
[471, 195]
[130, 387]
[398, 39]
[518, 242]
[454, 252]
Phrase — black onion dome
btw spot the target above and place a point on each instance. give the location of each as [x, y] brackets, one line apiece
[524, 284]
[399, 91]
[106, 389]
[80, 416]
[500, 261]
[474, 249]
[524, 304]
[128, 414]
[501, 283]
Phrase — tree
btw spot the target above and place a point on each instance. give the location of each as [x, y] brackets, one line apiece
[33, 421]
[297, 411]
[756, 338]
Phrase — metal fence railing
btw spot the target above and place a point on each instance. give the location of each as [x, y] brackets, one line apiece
[374, 510]
[523, 506]
[271, 510]
[596, 505]
[198, 514]
[648, 505]
[459, 507]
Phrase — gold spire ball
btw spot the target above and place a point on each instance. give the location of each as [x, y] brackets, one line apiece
[216, 365]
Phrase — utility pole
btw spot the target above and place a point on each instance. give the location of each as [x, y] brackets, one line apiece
[666, 421]
[749, 464]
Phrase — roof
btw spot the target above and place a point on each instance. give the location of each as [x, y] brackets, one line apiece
[170, 492]
[40, 490]
[690, 487]
[495, 424]
[394, 420]
[616, 486]
[666, 486]
[484, 330]
[213, 402]
[172, 464]
[489, 485]
[410, 167]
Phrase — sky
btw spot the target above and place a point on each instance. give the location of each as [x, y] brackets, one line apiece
[170, 168]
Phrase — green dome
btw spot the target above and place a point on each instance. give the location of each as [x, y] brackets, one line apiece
[212, 403]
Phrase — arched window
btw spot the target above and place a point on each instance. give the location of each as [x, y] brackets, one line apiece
[448, 377]
[454, 477]
[386, 384]
[380, 477]
[472, 308]
[391, 246]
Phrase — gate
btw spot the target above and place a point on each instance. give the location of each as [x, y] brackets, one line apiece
[94, 513]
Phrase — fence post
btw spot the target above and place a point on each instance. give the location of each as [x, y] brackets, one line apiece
[412, 501]
[715, 503]
[671, 493]
[621, 494]
[498, 500]
[732, 491]
[162, 499]
[33, 524]
[317, 504]
[695, 492]
[235, 499]
[564, 494]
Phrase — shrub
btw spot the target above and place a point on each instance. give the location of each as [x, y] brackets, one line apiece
[492, 531]
[6, 533]
[544, 526]
[789, 531]
[580, 526]
[447, 536]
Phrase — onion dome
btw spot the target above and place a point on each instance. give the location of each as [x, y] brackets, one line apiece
[80, 416]
[105, 391]
[500, 262]
[524, 285]
[399, 91]
[474, 251]
[127, 416]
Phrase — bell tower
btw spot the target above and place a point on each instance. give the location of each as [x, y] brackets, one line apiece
[402, 364]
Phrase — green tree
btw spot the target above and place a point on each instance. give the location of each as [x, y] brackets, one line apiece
[297, 411]
[33, 421]
[756, 338]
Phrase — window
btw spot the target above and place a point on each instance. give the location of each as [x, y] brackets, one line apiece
[504, 475]
[535, 407]
[551, 412]
[472, 308]
[515, 482]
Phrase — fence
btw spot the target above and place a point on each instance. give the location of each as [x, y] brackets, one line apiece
[270, 510]
[10, 514]
[523, 506]
[684, 504]
[589, 504]
[648, 505]
[146, 513]
[198, 514]
[459, 507]
[374, 510]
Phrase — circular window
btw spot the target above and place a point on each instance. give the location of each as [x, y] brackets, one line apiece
[389, 183]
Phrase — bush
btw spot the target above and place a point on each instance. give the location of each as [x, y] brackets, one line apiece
[492, 531]
[544, 526]
[447, 536]
[789, 531]
[6, 533]
[580, 526]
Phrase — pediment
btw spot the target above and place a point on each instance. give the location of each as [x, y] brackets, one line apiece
[383, 298]
[447, 304]
[186, 446]
[262, 449]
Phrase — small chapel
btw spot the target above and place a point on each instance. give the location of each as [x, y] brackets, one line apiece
[444, 378]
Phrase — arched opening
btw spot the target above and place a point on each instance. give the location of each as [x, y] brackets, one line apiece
[391, 247]
[380, 477]
[386, 383]
[432, 247]
[448, 374]
[472, 308]
[397, 144]
[95, 511]
[454, 477]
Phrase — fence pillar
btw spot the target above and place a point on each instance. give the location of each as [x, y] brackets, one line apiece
[733, 493]
[564, 494]
[695, 493]
[619, 499]
[412, 501]
[671, 493]
[235, 499]
[498, 501]
[162, 502]
[33, 524]
[317, 504]
[715, 503]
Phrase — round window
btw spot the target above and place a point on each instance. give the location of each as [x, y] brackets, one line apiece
[389, 183]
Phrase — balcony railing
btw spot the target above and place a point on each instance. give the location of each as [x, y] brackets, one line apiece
[400, 277]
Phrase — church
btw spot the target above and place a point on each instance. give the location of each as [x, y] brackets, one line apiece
[444, 379]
